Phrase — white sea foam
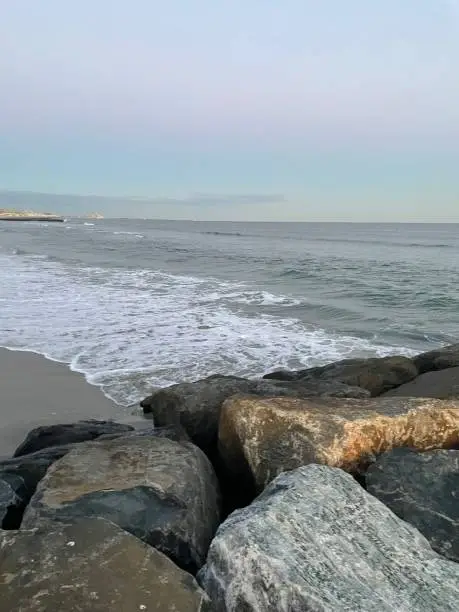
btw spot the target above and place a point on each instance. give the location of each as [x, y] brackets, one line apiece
[136, 234]
[129, 331]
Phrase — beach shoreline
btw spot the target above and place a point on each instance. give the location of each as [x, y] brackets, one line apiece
[35, 390]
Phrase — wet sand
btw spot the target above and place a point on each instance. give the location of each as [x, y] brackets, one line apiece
[35, 391]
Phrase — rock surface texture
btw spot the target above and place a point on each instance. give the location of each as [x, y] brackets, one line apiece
[375, 375]
[163, 492]
[439, 359]
[196, 406]
[422, 489]
[18, 480]
[12, 500]
[442, 384]
[58, 435]
[91, 566]
[260, 438]
[316, 541]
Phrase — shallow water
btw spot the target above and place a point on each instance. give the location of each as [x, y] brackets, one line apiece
[136, 304]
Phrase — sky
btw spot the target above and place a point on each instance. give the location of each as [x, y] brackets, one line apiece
[237, 109]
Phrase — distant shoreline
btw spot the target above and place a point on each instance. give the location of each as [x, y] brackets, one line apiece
[33, 218]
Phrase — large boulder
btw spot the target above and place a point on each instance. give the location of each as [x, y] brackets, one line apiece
[376, 375]
[438, 359]
[91, 566]
[69, 433]
[162, 491]
[422, 489]
[261, 437]
[442, 384]
[20, 475]
[18, 480]
[196, 406]
[316, 541]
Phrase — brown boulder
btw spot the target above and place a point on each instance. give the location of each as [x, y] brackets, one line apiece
[376, 375]
[260, 438]
[439, 359]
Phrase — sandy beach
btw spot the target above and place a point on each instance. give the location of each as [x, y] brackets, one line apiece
[36, 391]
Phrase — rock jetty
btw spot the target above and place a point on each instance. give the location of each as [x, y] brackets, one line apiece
[331, 488]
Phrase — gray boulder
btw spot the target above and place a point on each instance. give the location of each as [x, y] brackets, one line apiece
[70, 433]
[376, 375]
[316, 541]
[442, 384]
[163, 492]
[422, 489]
[12, 504]
[91, 566]
[196, 406]
[20, 475]
[438, 359]
[18, 480]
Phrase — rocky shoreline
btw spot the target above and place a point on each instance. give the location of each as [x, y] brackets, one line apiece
[10, 214]
[327, 489]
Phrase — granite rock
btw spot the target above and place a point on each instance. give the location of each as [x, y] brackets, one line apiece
[422, 489]
[162, 491]
[376, 375]
[70, 433]
[91, 566]
[316, 541]
[261, 437]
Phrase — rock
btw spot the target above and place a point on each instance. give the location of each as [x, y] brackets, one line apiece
[171, 432]
[91, 566]
[196, 406]
[18, 480]
[376, 375]
[261, 437]
[316, 541]
[439, 359]
[12, 493]
[57, 435]
[308, 388]
[422, 489]
[19, 476]
[442, 384]
[161, 491]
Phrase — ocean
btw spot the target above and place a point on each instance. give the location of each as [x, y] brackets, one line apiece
[140, 304]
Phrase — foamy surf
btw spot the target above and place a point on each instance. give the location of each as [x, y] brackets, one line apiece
[132, 330]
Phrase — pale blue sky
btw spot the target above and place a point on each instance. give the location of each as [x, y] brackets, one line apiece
[343, 107]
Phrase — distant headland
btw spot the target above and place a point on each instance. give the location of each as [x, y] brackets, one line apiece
[11, 214]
